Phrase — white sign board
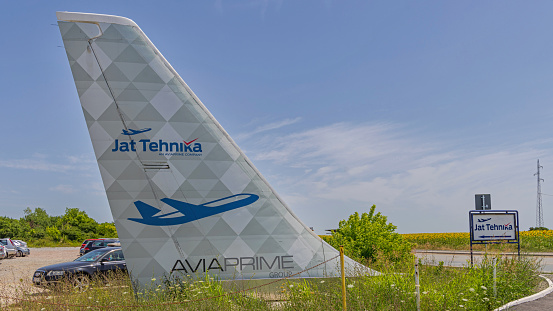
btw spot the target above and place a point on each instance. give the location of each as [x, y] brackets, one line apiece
[493, 226]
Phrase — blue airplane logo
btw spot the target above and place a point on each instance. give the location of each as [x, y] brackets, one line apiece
[484, 220]
[134, 132]
[190, 212]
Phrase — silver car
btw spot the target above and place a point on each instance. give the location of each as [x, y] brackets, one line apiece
[9, 247]
[19, 243]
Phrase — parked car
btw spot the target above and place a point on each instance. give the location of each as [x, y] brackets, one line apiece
[9, 247]
[80, 271]
[97, 244]
[19, 243]
[22, 250]
[3, 253]
[85, 242]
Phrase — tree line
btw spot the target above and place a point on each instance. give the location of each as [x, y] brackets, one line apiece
[40, 229]
[368, 235]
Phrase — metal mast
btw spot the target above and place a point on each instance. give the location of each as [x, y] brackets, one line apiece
[539, 211]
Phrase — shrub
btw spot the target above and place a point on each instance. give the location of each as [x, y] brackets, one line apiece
[107, 230]
[53, 233]
[369, 235]
[537, 228]
[72, 233]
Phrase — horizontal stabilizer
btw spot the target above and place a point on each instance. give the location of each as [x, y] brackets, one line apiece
[146, 210]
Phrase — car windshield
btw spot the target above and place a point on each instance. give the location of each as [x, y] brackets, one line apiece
[3, 242]
[92, 256]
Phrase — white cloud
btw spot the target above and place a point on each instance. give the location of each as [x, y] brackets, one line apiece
[82, 159]
[353, 148]
[268, 127]
[35, 164]
[276, 125]
[63, 189]
[423, 185]
[97, 188]
[42, 162]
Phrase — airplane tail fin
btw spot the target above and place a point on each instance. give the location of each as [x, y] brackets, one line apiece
[156, 142]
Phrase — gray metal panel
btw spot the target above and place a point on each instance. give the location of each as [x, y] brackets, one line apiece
[483, 201]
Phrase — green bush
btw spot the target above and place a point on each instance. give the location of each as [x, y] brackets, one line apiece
[11, 227]
[537, 228]
[72, 233]
[106, 230]
[368, 235]
[53, 233]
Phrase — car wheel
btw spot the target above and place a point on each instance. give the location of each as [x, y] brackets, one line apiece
[80, 282]
[19, 254]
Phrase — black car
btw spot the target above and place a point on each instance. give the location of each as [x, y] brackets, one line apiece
[83, 269]
[96, 244]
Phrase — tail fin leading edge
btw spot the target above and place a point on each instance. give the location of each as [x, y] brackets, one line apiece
[163, 156]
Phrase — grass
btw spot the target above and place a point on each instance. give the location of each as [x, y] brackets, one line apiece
[442, 288]
[37, 243]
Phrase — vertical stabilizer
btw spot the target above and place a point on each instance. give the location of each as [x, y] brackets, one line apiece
[184, 197]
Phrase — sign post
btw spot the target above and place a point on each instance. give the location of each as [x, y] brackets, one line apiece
[496, 226]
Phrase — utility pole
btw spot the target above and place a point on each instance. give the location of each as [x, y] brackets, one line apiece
[539, 211]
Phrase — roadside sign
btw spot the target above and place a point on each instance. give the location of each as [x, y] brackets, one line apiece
[487, 226]
[493, 226]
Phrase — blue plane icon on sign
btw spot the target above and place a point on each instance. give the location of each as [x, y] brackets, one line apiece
[484, 220]
[134, 132]
[190, 212]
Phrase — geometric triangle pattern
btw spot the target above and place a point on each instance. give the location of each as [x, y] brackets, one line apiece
[155, 140]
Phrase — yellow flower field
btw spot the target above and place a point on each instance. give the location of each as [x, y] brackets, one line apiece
[530, 241]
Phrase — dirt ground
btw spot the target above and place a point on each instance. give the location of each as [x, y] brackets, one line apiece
[17, 272]
[20, 269]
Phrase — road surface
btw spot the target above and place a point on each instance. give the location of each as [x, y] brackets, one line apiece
[462, 258]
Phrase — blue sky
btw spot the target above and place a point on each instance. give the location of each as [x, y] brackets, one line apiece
[412, 106]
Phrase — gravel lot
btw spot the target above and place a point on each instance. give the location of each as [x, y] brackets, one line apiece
[17, 272]
[22, 268]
